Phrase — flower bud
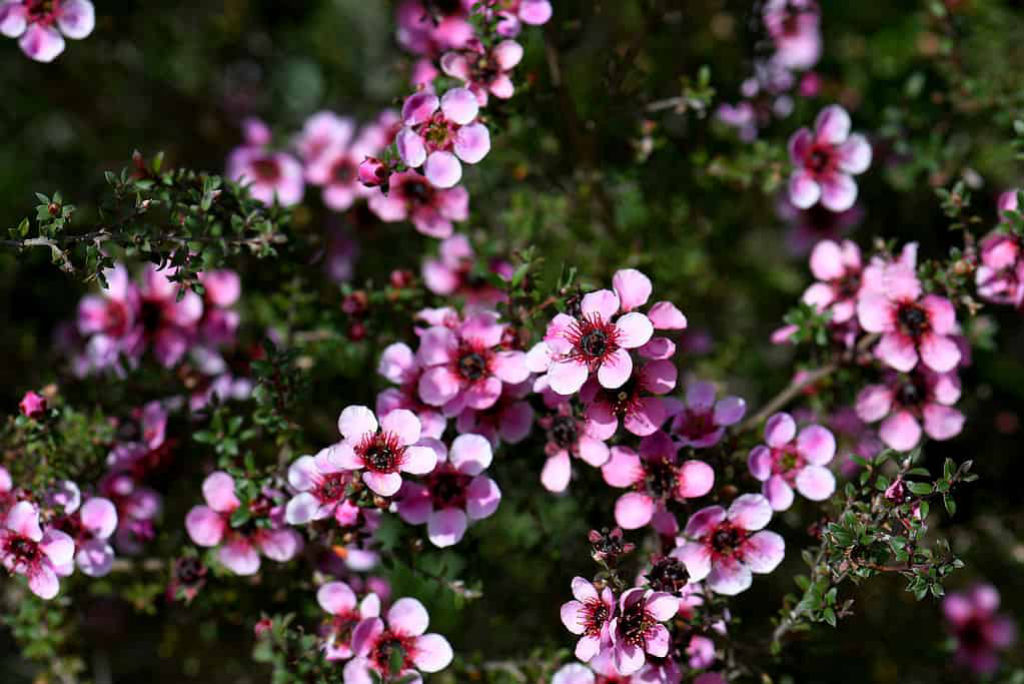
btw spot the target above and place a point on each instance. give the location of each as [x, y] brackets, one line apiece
[32, 405]
[373, 172]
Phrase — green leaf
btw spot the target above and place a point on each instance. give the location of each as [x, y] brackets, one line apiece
[920, 488]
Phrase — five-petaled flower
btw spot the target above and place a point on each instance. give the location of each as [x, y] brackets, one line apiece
[40, 555]
[826, 160]
[397, 647]
[439, 132]
[785, 463]
[589, 616]
[42, 26]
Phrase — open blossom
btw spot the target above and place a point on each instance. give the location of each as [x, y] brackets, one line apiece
[167, 322]
[381, 449]
[270, 176]
[91, 527]
[826, 160]
[399, 365]
[905, 402]
[40, 555]
[411, 196]
[466, 367]
[636, 402]
[321, 484]
[794, 26]
[332, 153]
[240, 547]
[42, 26]
[439, 132]
[509, 420]
[979, 631]
[452, 273]
[700, 421]
[220, 321]
[567, 435]
[423, 32]
[589, 616]
[656, 476]
[378, 643]
[636, 630]
[912, 327]
[789, 461]
[346, 611]
[485, 71]
[512, 14]
[837, 266]
[454, 493]
[1000, 275]
[726, 546]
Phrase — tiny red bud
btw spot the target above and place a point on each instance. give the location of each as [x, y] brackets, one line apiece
[373, 172]
[32, 405]
[401, 278]
[357, 332]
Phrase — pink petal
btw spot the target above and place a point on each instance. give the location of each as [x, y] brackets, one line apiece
[855, 154]
[95, 558]
[633, 510]
[99, 516]
[728, 577]
[763, 551]
[635, 329]
[403, 424]
[482, 498]
[76, 18]
[205, 526]
[623, 469]
[385, 484]
[729, 411]
[778, 493]
[438, 346]
[460, 105]
[750, 511]
[44, 583]
[898, 351]
[240, 557]
[586, 648]
[355, 422]
[510, 366]
[700, 396]
[471, 454]
[628, 658]
[415, 504]
[875, 312]
[42, 43]
[446, 527]
[556, 472]
[838, 192]
[658, 641]
[535, 12]
[419, 108]
[573, 616]
[432, 653]
[662, 606]
[57, 546]
[365, 635]
[408, 617]
[300, 509]
[696, 478]
[900, 431]
[815, 482]
[442, 169]
[507, 54]
[874, 403]
[940, 353]
[827, 261]
[23, 518]
[942, 422]
[941, 314]
[12, 19]
[603, 303]
[472, 143]
[615, 370]
[633, 288]
[219, 492]
[583, 590]
[566, 377]
[832, 125]
[760, 462]
[817, 444]
[779, 430]
[411, 148]
[696, 557]
[665, 316]
[704, 521]
[280, 545]
[804, 191]
[799, 145]
[418, 460]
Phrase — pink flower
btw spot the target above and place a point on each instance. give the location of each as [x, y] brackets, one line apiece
[980, 633]
[485, 71]
[513, 13]
[794, 25]
[322, 486]
[323, 132]
[656, 476]
[42, 26]
[240, 546]
[270, 176]
[1000, 275]
[91, 527]
[701, 421]
[912, 327]
[38, 554]
[220, 321]
[382, 450]
[903, 402]
[589, 616]
[452, 273]
[466, 367]
[725, 547]
[633, 402]
[423, 32]
[399, 365]
[32, 405]
[785, 462]
[636, 630]
[335, 158]
[455, 493]
[837, 268]
[109, 320]
[509, 419]
[573, 673]
[826, 161]
[411, 196]
[338, 599]
[440, 132]
[165, 321]
[378, 644]
[568, 435]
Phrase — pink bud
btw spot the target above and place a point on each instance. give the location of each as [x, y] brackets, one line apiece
[32, 405]
[373, 172]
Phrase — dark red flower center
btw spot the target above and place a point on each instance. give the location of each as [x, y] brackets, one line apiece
[668, 574]
[266, 169]
[332, 487]
[595, 615]
[418, 191]
[787, 462]
[381, 452]
[634, 623]
[24, 550]
[448, 488]
[820, 159]
[343, 171]
[912, 319]
[473, 364]
[593, 340]
[726, 539]
[695, 424]
[660, 477]
[392, 653]
[564, 432]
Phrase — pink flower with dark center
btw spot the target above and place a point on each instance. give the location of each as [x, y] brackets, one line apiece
[32, 405]
[440, 132]
[42, 25]
[109, 320]
[634, 402]
[912, 327]
[399, 365]
[979, 631]
[452, 273]
[636, 630]
[346, 611]
[431, 31]
[397, 647]
[837, 266]
[333, 154]
[725, 547]
[411, 197]
[656, 476]
[700, 421]
[826, 160]
[240, 546]
[512, 14]
[137, 505]
[167, 322]
[589, 616]
[322, 486]
[454, 493]
[466, 367]
[903, 402]
[485, 71]
[794, 26]
[508, 420]
[382, 450]
[1000, 275]
[91, 527]
[40, 555]
[791, 461]
[323, 132]
[568, 436]
[270, 176]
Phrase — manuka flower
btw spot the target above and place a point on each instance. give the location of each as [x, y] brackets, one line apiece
[568, 435]
[346, 612]
[700, 421]
[454, 493]
[42, 26]
[452, 273]
[912, 327]
[270, 176]
[826, 160]
[791, 461]
[322, 486]
[440, 132]
[794, 26]
[589, 616]
[636, 402]
[837, 266]
[91, 527]
[724, 547]
[40, 555]
[905, 402]
[397, 647]
[399, 365]
[980, 633]
[656, 475]
[332, 153]
[512, 14]
[485, 71]
[382, 450]
[636, 630]
[411, 196]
